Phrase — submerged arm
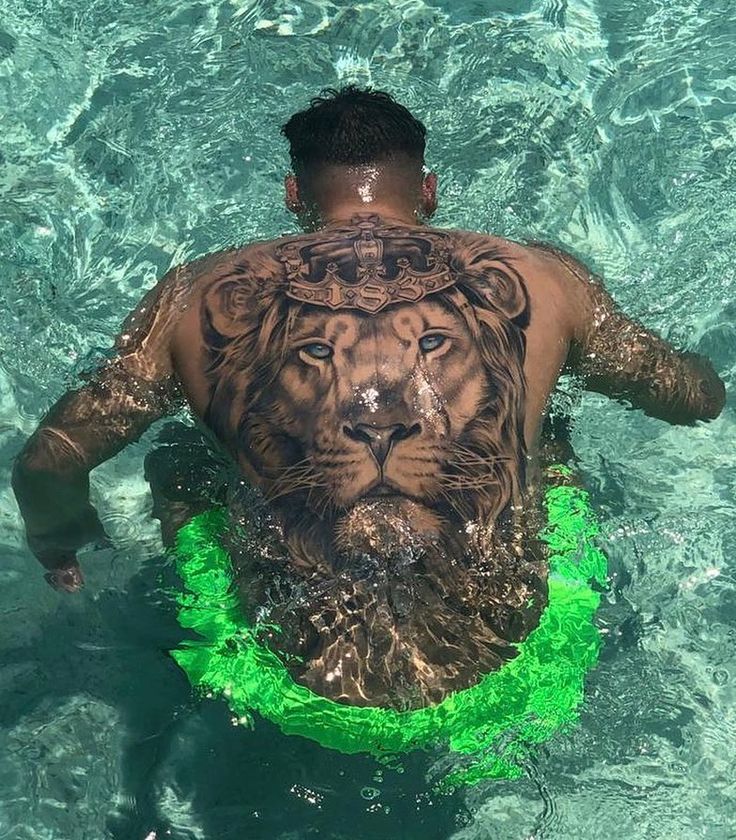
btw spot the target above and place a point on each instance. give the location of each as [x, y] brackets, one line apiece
[87, 427]
[620, 358]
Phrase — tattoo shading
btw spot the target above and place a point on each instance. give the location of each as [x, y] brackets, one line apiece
[370, 381]
[353, 268]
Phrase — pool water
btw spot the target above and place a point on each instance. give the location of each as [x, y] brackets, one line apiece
[136, 135]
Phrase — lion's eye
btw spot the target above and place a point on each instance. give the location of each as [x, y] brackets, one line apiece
[318, 351]
[431, 342]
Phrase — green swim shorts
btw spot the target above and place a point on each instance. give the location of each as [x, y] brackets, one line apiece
[491, 726]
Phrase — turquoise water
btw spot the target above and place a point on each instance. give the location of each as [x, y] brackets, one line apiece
[136, 135]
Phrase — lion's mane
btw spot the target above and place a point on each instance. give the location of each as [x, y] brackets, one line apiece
[488, 475]
[458, 619]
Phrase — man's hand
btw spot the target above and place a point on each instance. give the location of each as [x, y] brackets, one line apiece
[66, 579]
[57, 553]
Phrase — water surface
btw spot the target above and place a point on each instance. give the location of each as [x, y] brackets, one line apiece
[136, 135]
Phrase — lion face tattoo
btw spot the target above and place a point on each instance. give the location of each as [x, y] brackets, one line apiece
[370, 380]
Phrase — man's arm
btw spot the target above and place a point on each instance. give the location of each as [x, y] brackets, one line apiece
[620, 358]
[87, 426]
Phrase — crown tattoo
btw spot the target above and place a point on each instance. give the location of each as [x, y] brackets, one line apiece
[367, 269]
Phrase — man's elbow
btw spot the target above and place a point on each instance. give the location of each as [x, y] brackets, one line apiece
[702, 399]
[710, 392]
[714, 399]
[47, 456]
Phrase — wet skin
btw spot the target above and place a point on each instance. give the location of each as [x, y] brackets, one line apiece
[368, 370]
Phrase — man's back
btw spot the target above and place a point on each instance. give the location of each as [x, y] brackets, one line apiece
[339, 284]
[361, 342]
[382, 388]
[378, 324]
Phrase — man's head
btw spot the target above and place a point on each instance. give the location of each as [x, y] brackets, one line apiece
[353, 150]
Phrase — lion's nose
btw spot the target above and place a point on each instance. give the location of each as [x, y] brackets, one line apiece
[380, 439]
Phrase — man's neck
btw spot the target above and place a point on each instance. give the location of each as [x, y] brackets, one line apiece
[344, 213]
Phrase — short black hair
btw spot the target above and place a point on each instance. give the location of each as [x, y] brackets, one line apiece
[353, 126]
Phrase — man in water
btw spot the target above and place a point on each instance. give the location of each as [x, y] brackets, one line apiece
[380, 381]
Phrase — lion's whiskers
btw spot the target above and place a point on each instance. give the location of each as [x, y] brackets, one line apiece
[324, 504]
[304, 464]
[295, 477]
[302, 476]
[460, 453]
[461, 482]
[272, 496]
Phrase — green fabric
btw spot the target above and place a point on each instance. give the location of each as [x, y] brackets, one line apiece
[493, 723]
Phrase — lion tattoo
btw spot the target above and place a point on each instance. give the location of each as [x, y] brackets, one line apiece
[370, 381]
